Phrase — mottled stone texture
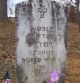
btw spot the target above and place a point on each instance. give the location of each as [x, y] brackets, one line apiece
[41, 45]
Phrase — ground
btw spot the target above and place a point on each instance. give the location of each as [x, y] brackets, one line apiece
[8, 49]
[73, 54]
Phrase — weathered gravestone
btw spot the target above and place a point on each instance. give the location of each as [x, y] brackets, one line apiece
[41, 46]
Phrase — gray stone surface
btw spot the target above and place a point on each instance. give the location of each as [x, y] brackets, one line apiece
[41, 45]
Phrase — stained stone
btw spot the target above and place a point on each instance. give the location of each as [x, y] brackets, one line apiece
[41, 46]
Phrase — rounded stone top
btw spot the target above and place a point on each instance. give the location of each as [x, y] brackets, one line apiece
[59, 3]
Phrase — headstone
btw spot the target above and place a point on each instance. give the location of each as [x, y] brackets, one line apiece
[41, 45]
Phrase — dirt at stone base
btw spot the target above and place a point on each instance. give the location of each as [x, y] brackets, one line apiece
[8, 49]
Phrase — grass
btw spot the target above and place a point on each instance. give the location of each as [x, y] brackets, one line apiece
[7, 48]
